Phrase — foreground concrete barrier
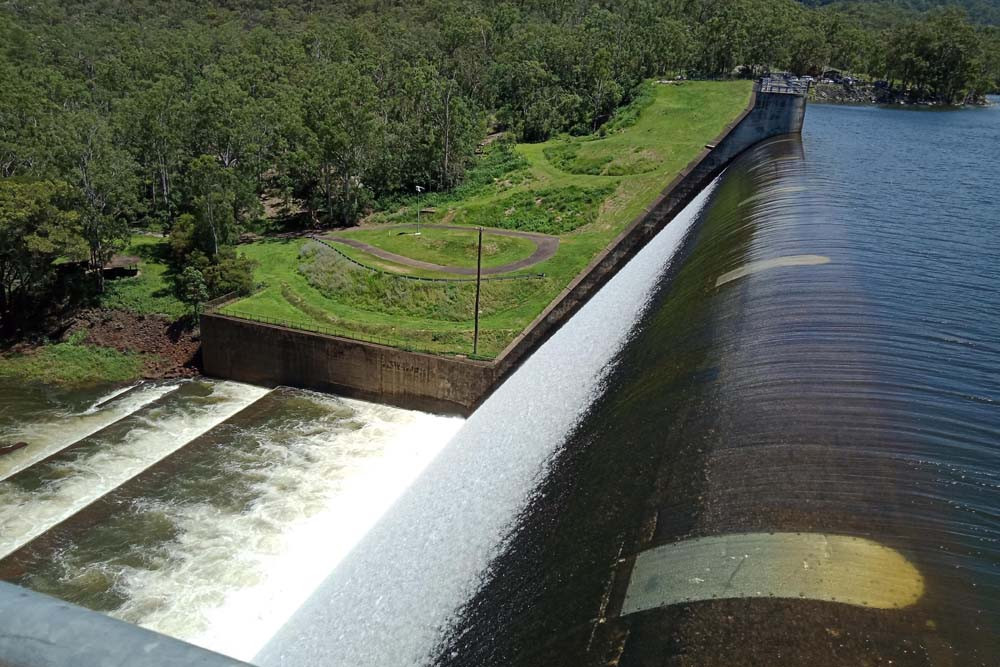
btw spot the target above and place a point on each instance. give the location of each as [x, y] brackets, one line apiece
[271, 354]
[39, 631]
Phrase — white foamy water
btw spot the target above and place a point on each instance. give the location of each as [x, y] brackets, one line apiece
[387, 602]
[73, 483]
[232, 576]
[47, 437]
[107, 398]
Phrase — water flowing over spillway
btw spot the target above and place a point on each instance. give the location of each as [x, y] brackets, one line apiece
[55, 488]
[244, 500]
[431, 549]
[59, 429]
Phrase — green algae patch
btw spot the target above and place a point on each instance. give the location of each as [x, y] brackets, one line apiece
[813, 566]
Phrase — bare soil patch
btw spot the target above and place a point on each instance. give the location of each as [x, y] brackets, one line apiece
[172, 349]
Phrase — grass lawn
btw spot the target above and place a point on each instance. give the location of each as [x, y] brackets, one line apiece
[148, 293]
[586, 190]
[72, 363]
[446, 247]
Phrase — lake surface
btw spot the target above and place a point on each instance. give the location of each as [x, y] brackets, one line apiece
[802, 371]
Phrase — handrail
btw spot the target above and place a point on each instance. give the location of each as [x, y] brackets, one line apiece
[38, 631]
[784, 86]
[520, 276]
[311, 327]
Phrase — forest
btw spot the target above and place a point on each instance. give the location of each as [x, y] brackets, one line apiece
[206, 120]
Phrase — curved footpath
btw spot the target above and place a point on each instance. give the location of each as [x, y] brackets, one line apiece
[545, 247]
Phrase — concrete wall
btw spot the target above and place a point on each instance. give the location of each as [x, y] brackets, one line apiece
[270, 355]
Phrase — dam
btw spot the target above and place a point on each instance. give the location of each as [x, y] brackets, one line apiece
[796, 375]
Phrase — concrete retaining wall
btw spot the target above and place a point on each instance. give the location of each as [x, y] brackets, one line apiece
[270, 355]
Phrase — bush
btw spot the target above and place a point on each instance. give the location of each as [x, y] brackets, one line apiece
[548, 211]
[182, 237]
[232, 272]
[192, 288]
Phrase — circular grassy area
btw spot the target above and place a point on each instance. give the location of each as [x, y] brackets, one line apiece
[446, 247]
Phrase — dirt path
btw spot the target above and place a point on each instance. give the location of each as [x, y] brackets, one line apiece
[545, 247]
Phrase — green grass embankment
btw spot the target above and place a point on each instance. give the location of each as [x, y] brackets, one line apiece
[585, 190]
[72, 363]
[148, 293]
[445, 247]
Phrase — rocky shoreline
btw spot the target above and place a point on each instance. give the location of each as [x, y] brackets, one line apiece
[869, 94]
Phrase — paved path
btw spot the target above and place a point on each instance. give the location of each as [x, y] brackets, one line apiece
[545, 247]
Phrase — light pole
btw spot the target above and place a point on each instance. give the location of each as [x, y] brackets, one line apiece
[479, 278]
[420, 189]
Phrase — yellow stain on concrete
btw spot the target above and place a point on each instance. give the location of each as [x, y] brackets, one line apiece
[813, 566]
[764, 265]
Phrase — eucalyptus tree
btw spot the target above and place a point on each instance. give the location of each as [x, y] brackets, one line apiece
[343, 133]
[156, 124]
[213, 196]
[37, 226]
[105, 175]
[939, 57]
[534, 105]
[724, 34]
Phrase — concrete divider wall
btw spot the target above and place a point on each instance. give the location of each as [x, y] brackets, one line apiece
[268, 354]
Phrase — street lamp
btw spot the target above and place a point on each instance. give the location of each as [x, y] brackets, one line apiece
[479, 282]
[420, 189]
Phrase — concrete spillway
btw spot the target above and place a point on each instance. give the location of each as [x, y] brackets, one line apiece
[431, 550]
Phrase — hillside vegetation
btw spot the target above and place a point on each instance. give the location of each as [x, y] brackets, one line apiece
[205, 121]
[313, 287]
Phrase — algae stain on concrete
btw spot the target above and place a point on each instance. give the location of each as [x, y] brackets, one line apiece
[814, 566]
[766, 264]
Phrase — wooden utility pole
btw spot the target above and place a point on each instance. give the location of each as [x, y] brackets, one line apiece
[479, 280]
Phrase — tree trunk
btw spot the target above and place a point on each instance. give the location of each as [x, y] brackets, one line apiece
[97, 262]
[348, 195]
[447, 136]
[211, 223]
[329, 193]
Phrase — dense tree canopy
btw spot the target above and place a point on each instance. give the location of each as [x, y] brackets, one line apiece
[150, 110]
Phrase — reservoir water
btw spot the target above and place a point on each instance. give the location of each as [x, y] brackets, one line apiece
[791, 396]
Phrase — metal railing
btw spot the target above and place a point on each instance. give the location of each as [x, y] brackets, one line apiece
[212, 304]
[520, 276]
[785, 86]
[312, 327]
[39, 631]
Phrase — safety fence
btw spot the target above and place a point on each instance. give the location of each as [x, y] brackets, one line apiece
[783, 85]
[312, 327]
[520, 276]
